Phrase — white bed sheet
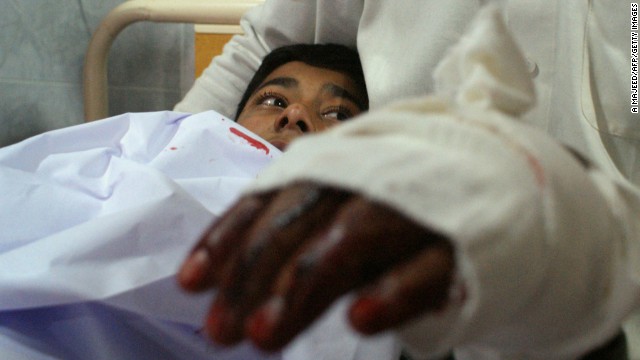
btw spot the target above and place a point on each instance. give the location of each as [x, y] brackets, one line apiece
[96, 219]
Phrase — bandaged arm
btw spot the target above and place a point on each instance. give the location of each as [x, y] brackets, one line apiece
[546, 245]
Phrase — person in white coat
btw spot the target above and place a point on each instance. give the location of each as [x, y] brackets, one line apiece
[498, 233]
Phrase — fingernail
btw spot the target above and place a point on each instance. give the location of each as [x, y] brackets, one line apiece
[366, 308]
[194, 268]
[263, 324]
[366, 312]
[221, 325]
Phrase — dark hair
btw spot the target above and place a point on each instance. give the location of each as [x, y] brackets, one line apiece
[327, 56]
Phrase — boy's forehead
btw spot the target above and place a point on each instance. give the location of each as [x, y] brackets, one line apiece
[297, 70]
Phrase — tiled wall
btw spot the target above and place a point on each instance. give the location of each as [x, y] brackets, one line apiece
[42, 46]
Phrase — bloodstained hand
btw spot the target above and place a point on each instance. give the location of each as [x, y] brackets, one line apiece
[280, 259]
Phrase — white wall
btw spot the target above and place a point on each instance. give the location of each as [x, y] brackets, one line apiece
[42, 45]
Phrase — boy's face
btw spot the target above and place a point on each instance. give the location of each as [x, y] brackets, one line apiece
[296, 99]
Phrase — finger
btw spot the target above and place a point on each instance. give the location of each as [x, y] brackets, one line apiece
[292, 218]
[418, 286]
[364, 241]
[202, 268]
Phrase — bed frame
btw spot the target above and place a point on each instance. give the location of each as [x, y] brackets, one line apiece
[219, 12]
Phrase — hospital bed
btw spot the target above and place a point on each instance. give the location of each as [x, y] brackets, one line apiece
[215, 12]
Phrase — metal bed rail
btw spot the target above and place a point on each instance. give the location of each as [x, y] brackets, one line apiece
[95, 85]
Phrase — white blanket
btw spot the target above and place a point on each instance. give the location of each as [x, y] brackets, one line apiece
[96, 219]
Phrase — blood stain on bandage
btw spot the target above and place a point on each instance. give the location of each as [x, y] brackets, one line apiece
[537, 169]
[253, 142]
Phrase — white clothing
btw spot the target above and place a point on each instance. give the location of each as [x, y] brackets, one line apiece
[547, 250]
[581, 75]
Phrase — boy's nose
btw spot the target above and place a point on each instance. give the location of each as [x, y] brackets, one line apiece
[296, 116]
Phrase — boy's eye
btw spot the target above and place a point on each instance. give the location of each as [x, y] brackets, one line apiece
[338, 114]
[273, 101]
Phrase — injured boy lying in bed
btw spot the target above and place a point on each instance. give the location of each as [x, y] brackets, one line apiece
[95, 218]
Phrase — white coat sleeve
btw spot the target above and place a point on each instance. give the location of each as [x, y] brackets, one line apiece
[267, 27]
[546, 247]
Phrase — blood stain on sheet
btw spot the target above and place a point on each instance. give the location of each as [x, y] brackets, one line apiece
[253, 142]
[173, 148]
